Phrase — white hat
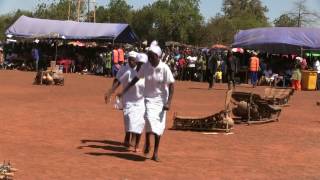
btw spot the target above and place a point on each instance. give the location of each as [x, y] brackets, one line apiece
[133, 54]
[141, 57]
[154, 43]
[156, 50]
[1, 49]
[255, 53]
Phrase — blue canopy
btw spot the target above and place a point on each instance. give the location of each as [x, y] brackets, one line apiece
[26, 27]
[286, 40]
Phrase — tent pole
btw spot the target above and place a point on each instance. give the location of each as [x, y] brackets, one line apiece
[56, 54]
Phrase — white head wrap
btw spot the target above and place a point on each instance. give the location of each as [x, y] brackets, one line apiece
[155, 48]
[133, 54]
[300, 59]
[141, 57]
[154, 43]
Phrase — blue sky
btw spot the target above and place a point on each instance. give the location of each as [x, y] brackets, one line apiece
[208, 8]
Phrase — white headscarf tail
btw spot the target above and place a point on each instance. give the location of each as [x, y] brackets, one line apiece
[141, 57]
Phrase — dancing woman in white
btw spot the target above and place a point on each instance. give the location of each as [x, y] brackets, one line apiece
[158, 94]
[133, 101]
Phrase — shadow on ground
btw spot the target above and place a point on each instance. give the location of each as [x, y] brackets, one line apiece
[118, 149]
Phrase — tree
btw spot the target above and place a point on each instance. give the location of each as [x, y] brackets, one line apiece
[245, 14]
[58, 10]
[7, 20]
[119, 11]
[302, 14]
[166, 20]
[219, 30]
[102, 15]
[237, 15]
[285, 20]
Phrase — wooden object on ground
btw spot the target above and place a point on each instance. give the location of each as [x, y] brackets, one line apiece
[220, 121]
[251, 108]
[6, 171]
[278, 96]
[56, 77]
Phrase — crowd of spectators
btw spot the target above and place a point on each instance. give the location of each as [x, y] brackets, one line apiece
[186, 63]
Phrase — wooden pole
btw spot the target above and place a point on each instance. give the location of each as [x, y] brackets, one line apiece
[78, 11]
[88, 15]
[69, 9]
[94, 11]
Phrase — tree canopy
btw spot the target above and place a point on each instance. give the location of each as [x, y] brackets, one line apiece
[166, 20]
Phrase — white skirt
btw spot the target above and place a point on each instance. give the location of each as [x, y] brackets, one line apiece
[155, 115]
[134, 117]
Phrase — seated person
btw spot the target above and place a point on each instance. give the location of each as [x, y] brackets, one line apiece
[268, 77]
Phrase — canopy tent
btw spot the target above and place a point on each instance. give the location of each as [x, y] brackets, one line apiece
[26, 27]
[219, 46]
[172, 43]
[285, 40]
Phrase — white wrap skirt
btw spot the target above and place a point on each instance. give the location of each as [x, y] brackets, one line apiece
[134, 116]
[155, 115]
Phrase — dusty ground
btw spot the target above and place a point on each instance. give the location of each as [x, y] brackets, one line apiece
[53, 132]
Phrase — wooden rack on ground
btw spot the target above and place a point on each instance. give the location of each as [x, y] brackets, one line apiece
[220, 121]
[278, 96]
[252, 108]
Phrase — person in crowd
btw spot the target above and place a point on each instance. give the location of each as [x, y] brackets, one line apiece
[231, 68]
[121, 55]
[182, 64]
[191, 67]
[36, 57]
[254, 68]
[212, 68]
[133, 100]
[218, 75]
[268, 76]
[115, 61]
[1, 58]
[159, 87]
[317, 68]
[73, 66]
[296, 78]
[201, 68]
[108, 63]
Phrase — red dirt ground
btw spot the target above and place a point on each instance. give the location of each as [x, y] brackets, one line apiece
[42, 129]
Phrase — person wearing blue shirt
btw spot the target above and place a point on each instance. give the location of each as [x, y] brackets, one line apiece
[35, 56]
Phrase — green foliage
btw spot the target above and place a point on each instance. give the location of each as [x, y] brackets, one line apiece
[164, 20]
[58, 10]
[167, 20]
[7, 20]
[117, 11]
[286, 21]
[237, 15]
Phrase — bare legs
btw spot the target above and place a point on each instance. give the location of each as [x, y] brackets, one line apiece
[132, 140]
[127, 139]
[156, 146]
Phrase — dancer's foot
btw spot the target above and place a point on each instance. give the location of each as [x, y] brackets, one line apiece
[155, 158]
[146, 151]
[137, 150]
[130, 148]
[126, 144]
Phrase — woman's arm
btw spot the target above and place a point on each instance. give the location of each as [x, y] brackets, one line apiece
[166, 107]
[115, 85]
